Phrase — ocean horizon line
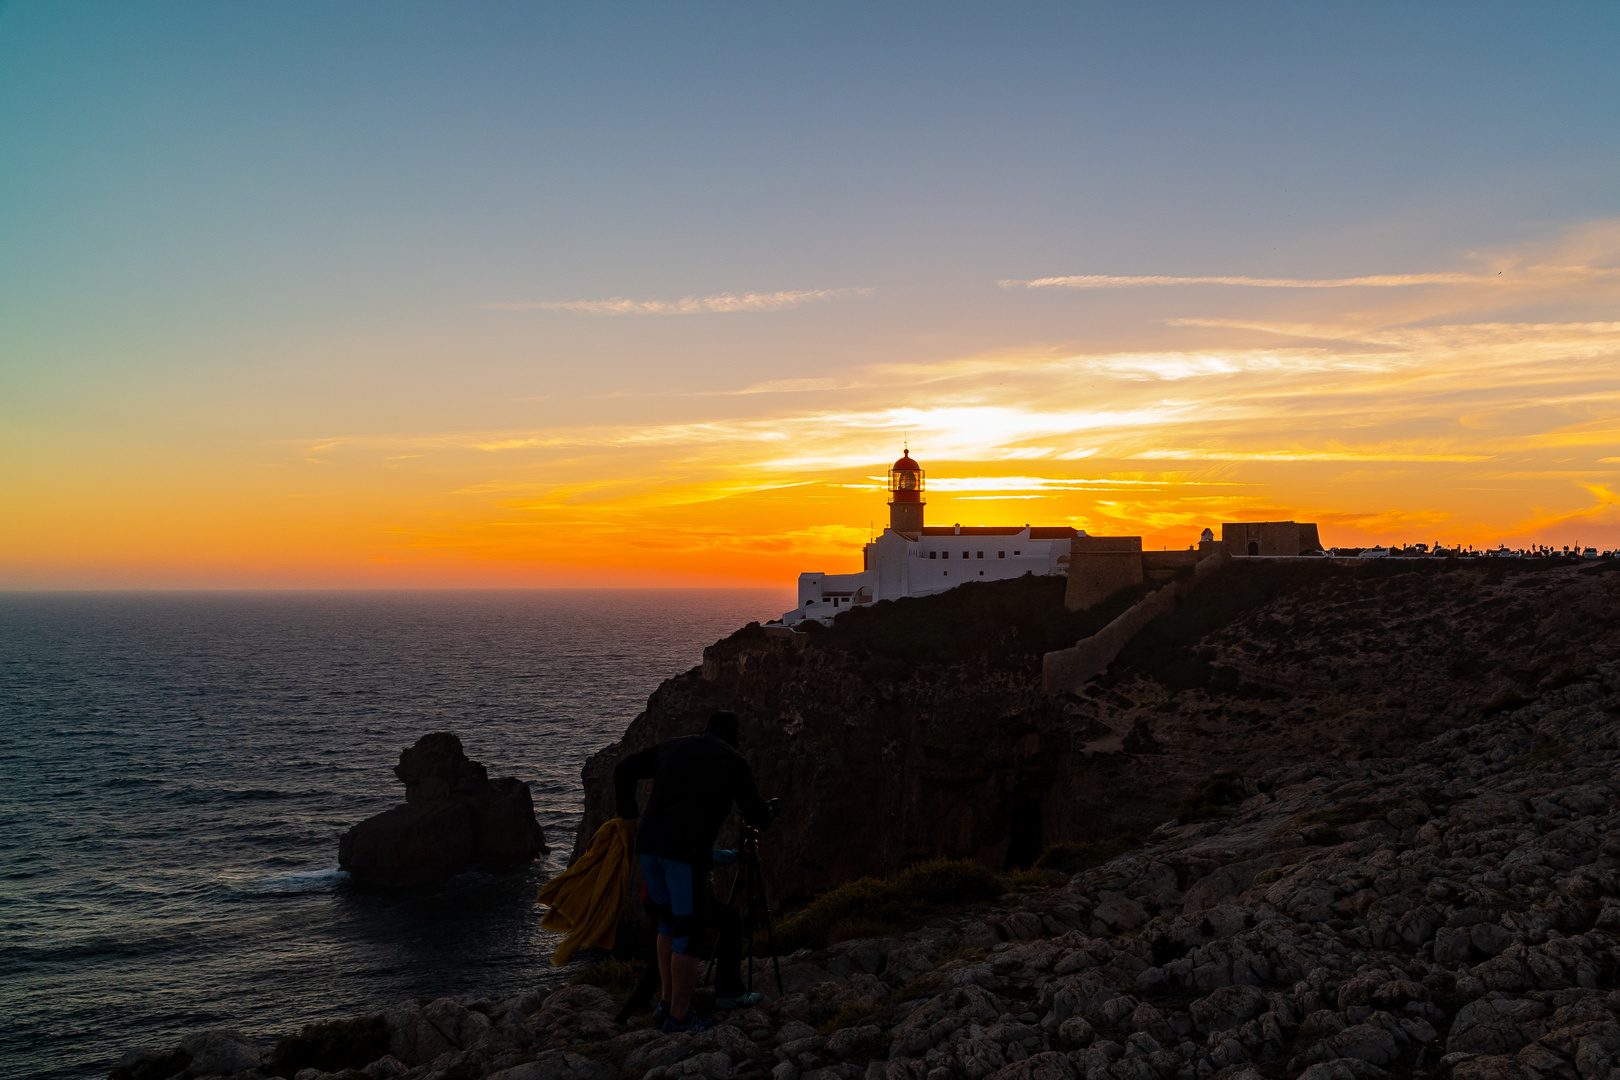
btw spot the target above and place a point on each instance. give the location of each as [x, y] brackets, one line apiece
[375, 590]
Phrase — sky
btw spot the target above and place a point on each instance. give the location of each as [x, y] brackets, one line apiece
[312, 295]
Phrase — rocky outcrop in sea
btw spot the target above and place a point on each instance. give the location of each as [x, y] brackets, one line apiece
[454, 818]
[1451, 913]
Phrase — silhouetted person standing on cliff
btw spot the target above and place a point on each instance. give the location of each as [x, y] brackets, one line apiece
[695, 781]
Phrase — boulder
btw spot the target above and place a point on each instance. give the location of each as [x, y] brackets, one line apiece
[1371, 1043]
[1047, 1066]
[147, 1064]
[1488, 1067]
[1343, 1069]
[413, 1039]
[461, 1026]
[219, 1051]
[1119, 912]
[454, 818]
[1228, 1007]
[556, 1065]
[1495, 1026]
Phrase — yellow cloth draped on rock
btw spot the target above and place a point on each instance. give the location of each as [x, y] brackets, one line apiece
[585, 900]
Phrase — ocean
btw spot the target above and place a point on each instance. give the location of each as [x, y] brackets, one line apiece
[175, 770]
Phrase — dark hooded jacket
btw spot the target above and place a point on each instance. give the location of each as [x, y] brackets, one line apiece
[695, 781]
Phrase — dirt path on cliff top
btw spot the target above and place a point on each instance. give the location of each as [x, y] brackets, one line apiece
[918, 729]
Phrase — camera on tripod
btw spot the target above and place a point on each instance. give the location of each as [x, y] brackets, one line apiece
[750, 835]
[750, 884]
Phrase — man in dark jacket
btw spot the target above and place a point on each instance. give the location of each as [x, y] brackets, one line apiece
[696, 780]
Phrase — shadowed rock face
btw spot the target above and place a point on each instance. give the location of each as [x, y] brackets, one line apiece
[454, 818]
[917, 728]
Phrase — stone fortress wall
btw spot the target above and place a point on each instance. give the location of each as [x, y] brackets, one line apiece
[1100, 566]
[1270, 537]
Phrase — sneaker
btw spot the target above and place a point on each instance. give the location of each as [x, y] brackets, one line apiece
[661, 1013]
[737, 1002]
[692, 1023]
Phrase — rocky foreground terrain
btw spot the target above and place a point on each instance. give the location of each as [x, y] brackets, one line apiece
[1450, 912]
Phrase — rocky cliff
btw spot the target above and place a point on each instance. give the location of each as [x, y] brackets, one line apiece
[1449, 913]
[917, 729]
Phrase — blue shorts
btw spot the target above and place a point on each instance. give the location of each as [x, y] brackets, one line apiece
[681, 906]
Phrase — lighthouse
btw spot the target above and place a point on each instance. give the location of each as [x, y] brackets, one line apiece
[910, 560]
[906, 496]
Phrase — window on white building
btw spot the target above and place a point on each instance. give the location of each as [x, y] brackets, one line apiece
[981, 554]
[933, 554]
[1018, 553]
[1001, 554]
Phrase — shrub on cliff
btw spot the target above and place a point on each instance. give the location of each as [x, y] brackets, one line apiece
[1214, 798]
[334, 1045]
[617, 977]
[1073, 858]
[871, 906]
[947, 881]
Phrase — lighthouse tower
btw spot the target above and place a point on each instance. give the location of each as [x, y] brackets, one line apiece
[906, 497]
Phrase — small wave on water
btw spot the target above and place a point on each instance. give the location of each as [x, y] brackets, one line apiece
[293, 883]
[178, 769]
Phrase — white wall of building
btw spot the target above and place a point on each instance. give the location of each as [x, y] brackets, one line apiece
[897, 566]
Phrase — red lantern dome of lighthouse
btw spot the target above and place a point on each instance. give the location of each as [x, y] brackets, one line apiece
[906, 480]
[906, 496]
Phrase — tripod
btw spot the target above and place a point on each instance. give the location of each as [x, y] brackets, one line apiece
[757, 915]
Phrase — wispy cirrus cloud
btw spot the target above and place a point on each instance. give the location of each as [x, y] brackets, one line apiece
[792, 386]
[1116, 281]
[1515, 277]
[718, 304]
[1390, 455]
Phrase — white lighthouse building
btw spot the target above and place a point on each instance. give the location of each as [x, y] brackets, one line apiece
[912, 560]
